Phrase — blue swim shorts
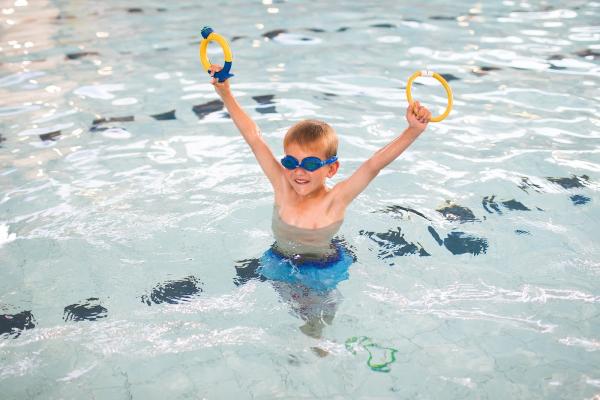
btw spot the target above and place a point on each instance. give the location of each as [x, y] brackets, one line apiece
[318, 275]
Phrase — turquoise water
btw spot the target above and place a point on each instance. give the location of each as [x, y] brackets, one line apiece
[132, 214]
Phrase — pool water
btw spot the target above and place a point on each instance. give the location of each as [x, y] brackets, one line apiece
[133, 216]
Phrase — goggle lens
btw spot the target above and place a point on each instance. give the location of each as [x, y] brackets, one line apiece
[289, 162]
[311, 164]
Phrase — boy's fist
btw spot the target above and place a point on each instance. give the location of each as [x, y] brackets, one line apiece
[418, 116]
[221, 88]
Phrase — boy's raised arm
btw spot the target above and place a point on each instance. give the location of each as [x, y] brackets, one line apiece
[249, 130]
[418, 117]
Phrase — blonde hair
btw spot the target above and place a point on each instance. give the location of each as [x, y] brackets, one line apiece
[314, 135]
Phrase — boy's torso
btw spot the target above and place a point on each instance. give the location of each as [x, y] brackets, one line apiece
[309, 213]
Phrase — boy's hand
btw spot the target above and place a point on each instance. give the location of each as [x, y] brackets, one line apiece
[222, 88]
[418, 116]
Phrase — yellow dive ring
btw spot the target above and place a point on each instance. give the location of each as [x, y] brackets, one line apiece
[444, 84]
[208, 36]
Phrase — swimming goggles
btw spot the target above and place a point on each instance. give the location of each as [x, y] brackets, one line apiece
[309, 163]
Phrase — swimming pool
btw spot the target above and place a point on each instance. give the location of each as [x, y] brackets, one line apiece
[132, 215]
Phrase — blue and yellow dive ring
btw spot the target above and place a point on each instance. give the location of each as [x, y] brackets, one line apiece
[208, 36]
[444, 84]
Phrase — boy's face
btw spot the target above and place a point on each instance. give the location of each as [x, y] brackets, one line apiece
[306, 182]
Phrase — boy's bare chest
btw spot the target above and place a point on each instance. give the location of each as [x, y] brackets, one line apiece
[307, 215]
[301, 215]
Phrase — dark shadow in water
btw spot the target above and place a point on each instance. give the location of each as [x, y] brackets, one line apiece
[202, 110]
[401, 211]
[97, 124]
[460, 243]
[450, 77]
[98, 128]
[454, 212]
[135, 10]
[556, 67]
[442, 18]
[274, 33]
[526, 184]
[266, 105]
[588, 53]
[491, 205]
[325, 95]
[483, 70]
[13, 324]
[128, 118]
[2, 139]
[388, 26]
[568, 183]
[174, 292]
[393, 244]
[236, 38]
[522, 232]
[246, 270]
[316, 30]
[78, 55]
[571, 183]
[264, 99]
[435, 235]
[88, 310]
[166, 116]
[515, 205]
[579, 200]
[50, 136]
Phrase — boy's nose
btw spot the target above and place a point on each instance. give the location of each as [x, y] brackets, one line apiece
[300, 172]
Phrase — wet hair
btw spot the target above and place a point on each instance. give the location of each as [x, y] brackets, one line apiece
[314, 135]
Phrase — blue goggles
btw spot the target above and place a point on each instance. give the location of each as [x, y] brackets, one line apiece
[309, 163]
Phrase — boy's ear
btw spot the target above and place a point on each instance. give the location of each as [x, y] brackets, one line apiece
[333, 169]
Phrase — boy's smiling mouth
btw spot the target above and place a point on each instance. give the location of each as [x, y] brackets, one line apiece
[301, 181]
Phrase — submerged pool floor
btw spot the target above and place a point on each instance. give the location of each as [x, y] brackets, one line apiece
[133, 217]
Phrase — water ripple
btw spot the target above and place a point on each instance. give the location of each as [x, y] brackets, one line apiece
[406, 306]
[587, 344]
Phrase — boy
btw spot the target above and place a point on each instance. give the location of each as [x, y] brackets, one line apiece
[302, 199]
[305, 264]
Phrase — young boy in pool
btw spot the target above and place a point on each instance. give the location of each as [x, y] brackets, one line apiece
[301, 195]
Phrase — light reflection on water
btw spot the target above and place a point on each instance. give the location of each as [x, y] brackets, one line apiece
[132, 215]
